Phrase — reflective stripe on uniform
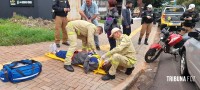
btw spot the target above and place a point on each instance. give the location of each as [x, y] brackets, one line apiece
[69, 54]
[108, 54]
[89, 49]
[113, 62]
[78, 32]
[84, 47]
[70, 25]
[70, 33]
[131, 61]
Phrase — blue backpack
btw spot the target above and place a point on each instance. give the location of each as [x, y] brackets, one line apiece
[19, 71]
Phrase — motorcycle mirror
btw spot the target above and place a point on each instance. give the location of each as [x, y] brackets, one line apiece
[193, 34]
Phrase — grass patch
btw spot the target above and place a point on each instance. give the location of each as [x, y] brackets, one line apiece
[101, 21]
[17, 34]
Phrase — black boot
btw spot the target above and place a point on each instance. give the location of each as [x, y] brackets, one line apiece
[69, 68]
[145, 41]
[129, 71]
[108, 77]
[139, 41]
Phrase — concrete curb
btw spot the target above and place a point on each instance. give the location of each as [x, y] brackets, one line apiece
[132, 78]
[137, 71]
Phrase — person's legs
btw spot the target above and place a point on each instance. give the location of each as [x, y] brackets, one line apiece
[64, 31]
[58, 24]
[144, 27]
[129, 31]
[84, 43]
[116, 60]
[73, 40]
[96, 39]
[71, 49]
[149, 26]
[112, 43]
[124, 29]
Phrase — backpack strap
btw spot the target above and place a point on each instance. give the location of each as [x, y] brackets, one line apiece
[20, 72]
[6, 73]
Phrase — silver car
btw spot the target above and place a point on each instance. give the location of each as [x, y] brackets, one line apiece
[190, 57]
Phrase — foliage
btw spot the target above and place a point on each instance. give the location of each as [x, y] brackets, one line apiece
[17, 34]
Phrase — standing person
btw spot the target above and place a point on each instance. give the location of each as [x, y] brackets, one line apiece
[89, 12]
[122, 55]
[127, 18]
[85, 31]
[147, 19]
[190, 18]
[111, 22]
[61, 9]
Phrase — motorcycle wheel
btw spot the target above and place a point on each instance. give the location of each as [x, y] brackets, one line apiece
[152, 54]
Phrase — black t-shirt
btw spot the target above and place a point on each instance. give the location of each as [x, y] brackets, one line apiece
[193, 14]
[145, 14]
[59, 6]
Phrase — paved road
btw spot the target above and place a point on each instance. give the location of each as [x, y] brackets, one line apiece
[156, 79]
[168, 66]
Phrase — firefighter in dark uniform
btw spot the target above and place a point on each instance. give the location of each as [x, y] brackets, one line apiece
[190, 18]
[147, 19]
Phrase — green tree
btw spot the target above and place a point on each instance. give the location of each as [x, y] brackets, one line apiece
[187, 2]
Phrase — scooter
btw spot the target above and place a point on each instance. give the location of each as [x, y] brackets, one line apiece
[167, 43]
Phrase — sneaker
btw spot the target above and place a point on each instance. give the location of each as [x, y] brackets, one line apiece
[66, 43]
[108, 77]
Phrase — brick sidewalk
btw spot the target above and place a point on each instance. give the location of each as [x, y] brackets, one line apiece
[54, 76]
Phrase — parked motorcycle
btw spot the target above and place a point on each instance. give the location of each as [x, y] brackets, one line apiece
[167, 43]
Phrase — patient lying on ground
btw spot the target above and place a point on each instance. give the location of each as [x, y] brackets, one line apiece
[89, 61]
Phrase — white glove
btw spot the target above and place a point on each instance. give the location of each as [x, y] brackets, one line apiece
[148, 17]
[103, 57]
[106, 62]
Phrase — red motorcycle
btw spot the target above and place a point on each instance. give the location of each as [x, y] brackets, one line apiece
[167, 43]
